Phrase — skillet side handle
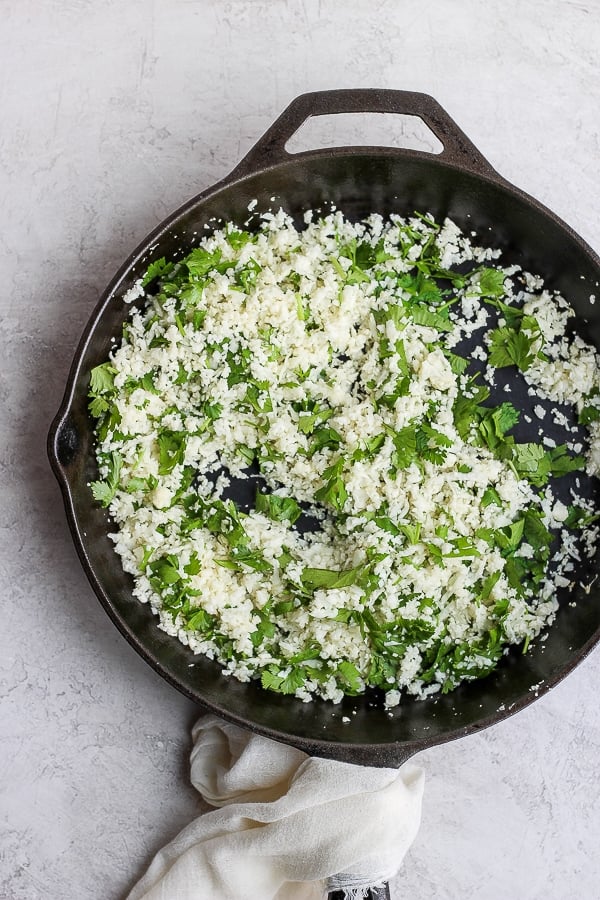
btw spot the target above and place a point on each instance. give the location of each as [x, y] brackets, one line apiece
[63, 443]
[377, 893]
[270, 148]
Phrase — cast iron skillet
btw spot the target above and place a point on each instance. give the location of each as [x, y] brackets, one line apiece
[458, 182]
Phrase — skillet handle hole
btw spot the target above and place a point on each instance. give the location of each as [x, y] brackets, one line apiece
[364, 129]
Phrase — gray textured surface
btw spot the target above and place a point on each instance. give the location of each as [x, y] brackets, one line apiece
[112, 114]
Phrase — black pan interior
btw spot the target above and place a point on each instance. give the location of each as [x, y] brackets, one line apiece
[359, 183]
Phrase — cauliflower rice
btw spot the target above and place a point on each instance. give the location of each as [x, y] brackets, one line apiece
[396, 534]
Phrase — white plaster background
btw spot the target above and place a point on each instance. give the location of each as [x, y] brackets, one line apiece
[112, 114]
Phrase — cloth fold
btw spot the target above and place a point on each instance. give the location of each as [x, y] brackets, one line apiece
[285, 826]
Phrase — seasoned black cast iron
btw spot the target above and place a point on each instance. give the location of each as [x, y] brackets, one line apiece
[459, 183]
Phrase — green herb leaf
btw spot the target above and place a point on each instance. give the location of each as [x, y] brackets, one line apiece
[531, 462]
[166, 570]
[579, 517]
[590, 411]
[324, 436]
[98, 406]
[405, 446]
[238, 239]
[561, 463]
[201, 621]
[102, 379]
[104, 491]
[349, 675]
[246, 276]
[171, 447]
[327, 579]
[513, 345]
[274, 679]
[200, 262]
[423, 316]
[489, 496]
[491, 282]
[281, 509]
[333, 491]
[156, 270]
[412, 532]
[536, 464]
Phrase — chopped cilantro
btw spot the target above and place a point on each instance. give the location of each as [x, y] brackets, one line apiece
[102, 379]
[491, 282]
[333, 491]
[104, 491]
[514, 344]
[282, 509]
[282, 681]
[171, 448]
[156, 270]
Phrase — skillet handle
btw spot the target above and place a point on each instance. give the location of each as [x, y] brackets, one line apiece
[270, 148]
[378, 893]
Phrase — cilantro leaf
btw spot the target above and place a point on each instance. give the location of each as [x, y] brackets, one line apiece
[247, 453]
[535, 464]
[531, 462]
[140, 484]
[421, 315]
[430, 443]
[509, 537]
[561, 463]
[405, 446]
[513, 344]
[165, 570]
[322, 437]
[412, 532]
[458, 364]
[495, 422]
[171, 448]
[509, 346]
[102, 379]
[98, 406]
[490, 495]
[274, 679]
[200, 262]
[308, 420]
[104, 491]
[491, 282]
[588, 414]
[466, 409]
[349, 675]
[241, 555]
[535, 532]
[590, 411]
[579, 517]
[334, 490]
[201, 621]
[370, 448]
[383, 669]
[281, 509]
[327, 579]
[246, 275]
[157, 269]
[238, 239]
[365, 256]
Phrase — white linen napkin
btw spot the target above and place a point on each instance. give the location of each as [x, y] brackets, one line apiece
[287, 826]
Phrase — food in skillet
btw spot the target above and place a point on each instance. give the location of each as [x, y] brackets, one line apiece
[415, 436]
